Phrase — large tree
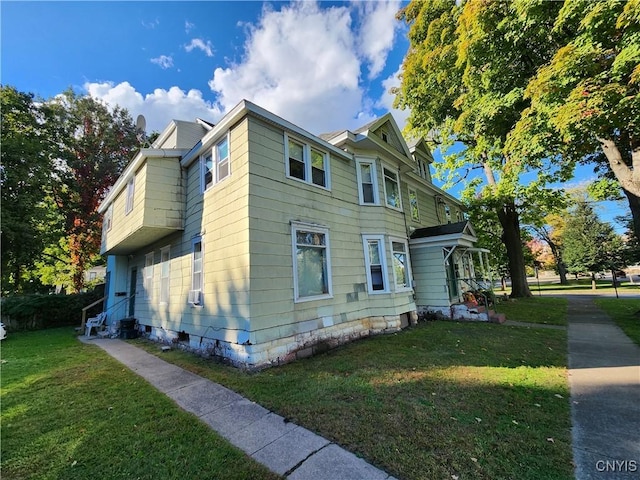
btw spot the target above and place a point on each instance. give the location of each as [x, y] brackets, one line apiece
[90, 145]
[24, 180]
[464, 78]
[585, 102]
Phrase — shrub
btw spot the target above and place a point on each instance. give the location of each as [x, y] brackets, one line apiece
[36, 311]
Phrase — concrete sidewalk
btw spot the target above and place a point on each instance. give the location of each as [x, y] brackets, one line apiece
[604, 377]
[283, 447]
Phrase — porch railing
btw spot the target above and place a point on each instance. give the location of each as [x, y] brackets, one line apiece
[484, 289]
[112, 307]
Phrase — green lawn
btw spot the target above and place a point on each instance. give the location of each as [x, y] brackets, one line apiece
[581, 285]
[625, 312]
[478, 401]
[69, 411]
[547, 310]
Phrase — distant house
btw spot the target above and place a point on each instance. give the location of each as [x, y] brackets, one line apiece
[259, 242]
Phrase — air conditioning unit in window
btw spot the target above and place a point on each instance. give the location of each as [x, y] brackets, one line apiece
[195, 297]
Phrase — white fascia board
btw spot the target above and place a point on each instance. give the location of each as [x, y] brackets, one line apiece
[134, 165]
[244, 108]
[450, 240]
[168, 130]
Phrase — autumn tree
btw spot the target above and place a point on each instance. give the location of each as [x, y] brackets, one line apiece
[585, 102]
[90, 146]
[464, 78]
[550, 230]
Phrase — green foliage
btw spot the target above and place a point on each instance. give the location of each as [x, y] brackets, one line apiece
[625, 312]
[24, 180]
[35, 312]
[590, 245]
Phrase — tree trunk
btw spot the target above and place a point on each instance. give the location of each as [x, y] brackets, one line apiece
[557, 255]
[593, 281]
[627, 175]
[634, 205]
[510, 222]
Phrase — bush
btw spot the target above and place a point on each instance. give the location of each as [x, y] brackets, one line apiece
[36, 311]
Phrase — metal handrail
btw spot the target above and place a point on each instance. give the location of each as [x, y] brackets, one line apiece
[84, 310]
[479, 289]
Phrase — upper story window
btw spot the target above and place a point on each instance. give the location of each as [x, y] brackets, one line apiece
[311, 262]
[107, 221]
[413, 204]
[131, 187]
[215, 165]
[447, 213]
[367, 182]
[306, 163]
[392, 188]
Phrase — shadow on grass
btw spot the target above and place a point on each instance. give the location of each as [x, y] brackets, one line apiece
[436, 400]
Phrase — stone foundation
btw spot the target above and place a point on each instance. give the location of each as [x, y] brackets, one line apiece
[284, 350]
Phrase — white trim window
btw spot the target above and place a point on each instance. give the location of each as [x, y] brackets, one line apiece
[107, 221]
[215, 165]
[367, 182]
[306, 163]
[413, 205]
[375, 263]
[131, 188]
[197, 280]
[148, 274]
[401, 267]
[311, 262]
[392, 188]
[165, 266]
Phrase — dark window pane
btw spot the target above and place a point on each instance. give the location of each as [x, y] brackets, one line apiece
[296, 168]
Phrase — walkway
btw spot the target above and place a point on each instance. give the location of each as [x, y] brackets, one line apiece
[604, 377]
[283, 447]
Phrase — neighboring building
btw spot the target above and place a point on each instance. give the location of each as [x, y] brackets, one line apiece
[259, 242]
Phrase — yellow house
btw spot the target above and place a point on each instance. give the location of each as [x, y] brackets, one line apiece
[259, 242]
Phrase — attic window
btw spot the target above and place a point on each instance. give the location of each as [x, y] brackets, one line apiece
[384, 136]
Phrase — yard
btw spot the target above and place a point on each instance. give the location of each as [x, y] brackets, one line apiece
[440, 400]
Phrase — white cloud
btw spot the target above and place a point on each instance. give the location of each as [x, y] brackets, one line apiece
[159, 107]
[188, 26]
[200, 44]
[301, 63]
[377, 32]
[163, 61]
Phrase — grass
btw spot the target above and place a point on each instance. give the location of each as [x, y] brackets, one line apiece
[625, 312]
[444, 398]
[69, 411]
[581, 285]
[545, 310]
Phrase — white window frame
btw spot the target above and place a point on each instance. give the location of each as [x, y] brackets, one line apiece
[196, 297]
[307, 160]
[165, 274]
[408, 274]
[379, 239]
[216, 163]
[313, 228]
[414, 193]
[394, 172]
[131, 189]
[149, 259]
[374, 181]
[107, 221]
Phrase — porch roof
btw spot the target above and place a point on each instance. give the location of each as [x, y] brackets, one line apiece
[451, 234]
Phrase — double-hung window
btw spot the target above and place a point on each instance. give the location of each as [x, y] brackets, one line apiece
[195, 294]
[215, 165]
[107, 221]
[131, 187]
[413, 204]
[367, 182]
[165, 257]
[306, 163]
[401, 268]
[311, 262]
[375, 263]
[392, 188]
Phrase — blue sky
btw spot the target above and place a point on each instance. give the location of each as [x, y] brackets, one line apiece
[322, 65]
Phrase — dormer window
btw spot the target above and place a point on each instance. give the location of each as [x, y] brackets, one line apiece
[385, 137]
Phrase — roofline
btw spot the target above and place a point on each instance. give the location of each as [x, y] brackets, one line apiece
[245, 108]
[434, 189]
[131, 169]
